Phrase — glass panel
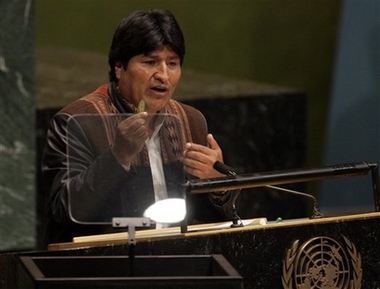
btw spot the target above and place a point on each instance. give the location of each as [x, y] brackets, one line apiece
[100, 188]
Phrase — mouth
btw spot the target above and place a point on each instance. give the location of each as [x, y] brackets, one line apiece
[159, 89]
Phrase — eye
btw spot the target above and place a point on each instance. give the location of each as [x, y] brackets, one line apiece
[173, 64]
[149, 62]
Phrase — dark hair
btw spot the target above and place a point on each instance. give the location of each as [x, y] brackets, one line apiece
[143, 32]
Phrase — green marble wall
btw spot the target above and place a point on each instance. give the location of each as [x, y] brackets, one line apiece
[17, 125]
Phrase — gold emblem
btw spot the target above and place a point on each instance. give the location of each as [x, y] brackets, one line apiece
[322, 263]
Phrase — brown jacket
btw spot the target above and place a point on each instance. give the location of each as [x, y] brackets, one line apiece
[87, 184]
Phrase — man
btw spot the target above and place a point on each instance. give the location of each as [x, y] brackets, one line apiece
[98, 166]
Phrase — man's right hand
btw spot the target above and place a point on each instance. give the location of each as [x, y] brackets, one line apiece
[130, 137]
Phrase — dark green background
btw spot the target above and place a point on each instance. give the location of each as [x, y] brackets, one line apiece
[286, 43]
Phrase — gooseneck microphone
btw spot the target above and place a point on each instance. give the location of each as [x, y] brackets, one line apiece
[224, 169]
[316, 212]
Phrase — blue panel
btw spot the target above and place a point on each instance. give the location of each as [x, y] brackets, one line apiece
[353, 132]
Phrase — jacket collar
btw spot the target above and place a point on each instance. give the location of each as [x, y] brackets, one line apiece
[117, 100]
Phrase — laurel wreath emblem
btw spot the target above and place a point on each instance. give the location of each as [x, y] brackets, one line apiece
[356, 262]
[289, 264]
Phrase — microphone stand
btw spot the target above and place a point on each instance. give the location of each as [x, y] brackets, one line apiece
[229, 171]
[316, 212]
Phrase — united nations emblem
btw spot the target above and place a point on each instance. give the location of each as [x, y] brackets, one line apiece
[322, 263]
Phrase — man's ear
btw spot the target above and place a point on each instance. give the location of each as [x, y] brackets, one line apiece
[118, 67]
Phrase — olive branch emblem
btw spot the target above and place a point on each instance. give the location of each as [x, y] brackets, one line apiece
[356, 262]
[288, 266]
[290, 263]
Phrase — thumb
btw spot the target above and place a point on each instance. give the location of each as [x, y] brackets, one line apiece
[212, 142]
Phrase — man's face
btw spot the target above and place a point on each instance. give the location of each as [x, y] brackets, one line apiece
[151, 77]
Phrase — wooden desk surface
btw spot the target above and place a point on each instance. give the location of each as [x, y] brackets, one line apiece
[197, 230]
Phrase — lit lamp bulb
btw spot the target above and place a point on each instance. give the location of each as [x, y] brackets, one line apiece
[168, 211]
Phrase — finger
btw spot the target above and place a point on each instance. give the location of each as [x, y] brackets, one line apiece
[193, 147]
[141, 134]
[135, 117]
[195, 170]
[212, 142]
[133, 126]
[196, 158]
[192, 171]
[191, 162]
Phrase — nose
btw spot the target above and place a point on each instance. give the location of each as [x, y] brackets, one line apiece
[162, 72]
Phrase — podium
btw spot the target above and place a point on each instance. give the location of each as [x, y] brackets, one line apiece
[344, 250]
[322, 252]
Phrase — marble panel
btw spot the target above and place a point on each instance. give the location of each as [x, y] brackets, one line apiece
[17, 125]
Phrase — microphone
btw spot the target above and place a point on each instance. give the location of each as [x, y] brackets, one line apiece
[285, 177]
[227, 170]
[224, 169]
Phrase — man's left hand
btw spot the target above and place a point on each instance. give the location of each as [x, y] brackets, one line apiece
[199, 160]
